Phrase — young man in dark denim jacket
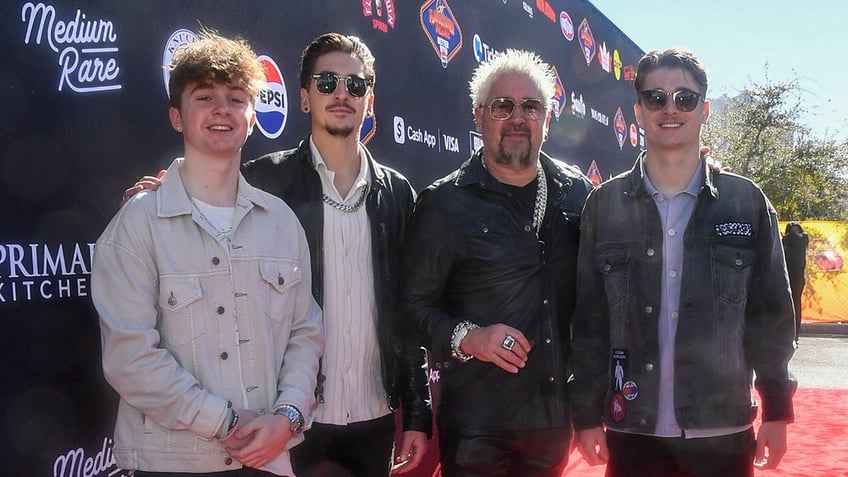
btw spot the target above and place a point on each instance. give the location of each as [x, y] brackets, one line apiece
[682, 297]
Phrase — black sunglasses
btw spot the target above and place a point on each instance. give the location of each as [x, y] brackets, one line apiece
[327, 82]
[502, 108]
[684, 99]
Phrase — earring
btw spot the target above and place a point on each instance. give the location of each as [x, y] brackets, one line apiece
[179, 129]
[306, 109]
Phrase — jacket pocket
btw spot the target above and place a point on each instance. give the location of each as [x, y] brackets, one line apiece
[731, 271]
[612, 263]
[279, 277]
[181, 320]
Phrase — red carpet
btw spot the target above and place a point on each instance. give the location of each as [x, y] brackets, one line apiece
[817, 441]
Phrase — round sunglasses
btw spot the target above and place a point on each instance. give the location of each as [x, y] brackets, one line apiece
[684, 99]
[327, 82]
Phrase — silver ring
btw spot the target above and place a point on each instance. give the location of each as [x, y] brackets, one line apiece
[508, 342]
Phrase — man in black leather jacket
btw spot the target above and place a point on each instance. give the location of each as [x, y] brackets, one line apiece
[343, 181]
[489, 280]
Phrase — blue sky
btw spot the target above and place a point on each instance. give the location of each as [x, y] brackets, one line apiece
[735, 39]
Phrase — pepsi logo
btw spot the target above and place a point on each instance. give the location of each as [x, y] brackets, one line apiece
[272, 105]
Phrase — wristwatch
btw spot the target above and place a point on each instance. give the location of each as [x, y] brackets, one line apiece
[294, 415]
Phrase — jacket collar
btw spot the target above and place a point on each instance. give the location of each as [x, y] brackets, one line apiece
[172, 199]
[305, 154]
[473, 172]
[636, 185]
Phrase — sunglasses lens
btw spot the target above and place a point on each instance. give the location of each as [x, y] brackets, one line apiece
[356, 86]
[654, 99]
[326, 83]
[501, 108]
[686, 100]
[532, 108]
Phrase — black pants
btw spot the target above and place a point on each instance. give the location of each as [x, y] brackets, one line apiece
[243, 472]
[633, 455]
[529, 453]
[361, 449]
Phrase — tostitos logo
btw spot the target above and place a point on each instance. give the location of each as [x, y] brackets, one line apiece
[272, 103]
[177, 39]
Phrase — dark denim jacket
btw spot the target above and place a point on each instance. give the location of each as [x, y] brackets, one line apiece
[735, 313]
[291, 175]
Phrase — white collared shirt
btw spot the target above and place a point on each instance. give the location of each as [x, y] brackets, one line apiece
[353, 389]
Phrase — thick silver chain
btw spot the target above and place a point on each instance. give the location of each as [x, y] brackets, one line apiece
[347, 208]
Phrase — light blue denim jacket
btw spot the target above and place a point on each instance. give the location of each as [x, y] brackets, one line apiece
[185, 319]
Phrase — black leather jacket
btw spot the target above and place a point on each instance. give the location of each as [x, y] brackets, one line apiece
[472, 254]
[291, 175]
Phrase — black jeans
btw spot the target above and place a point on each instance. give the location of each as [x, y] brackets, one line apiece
[633, 455]
[243, 472]
[527, 453]
[361, 449]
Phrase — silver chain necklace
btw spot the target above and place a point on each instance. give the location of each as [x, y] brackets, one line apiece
[541, 203]
[220, 233]
[347, 208]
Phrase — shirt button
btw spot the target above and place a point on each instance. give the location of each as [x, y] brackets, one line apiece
[228, 461]
[672, 274]
[649, 309]
[650, 252]
[649, 367]
[224, 355]
[220, 310]
[672, 232]
[216, 261]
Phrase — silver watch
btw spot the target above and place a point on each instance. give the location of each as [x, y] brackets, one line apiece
[294, 415]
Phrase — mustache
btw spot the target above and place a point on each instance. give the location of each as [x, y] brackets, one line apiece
[522, 128]
[340, 105]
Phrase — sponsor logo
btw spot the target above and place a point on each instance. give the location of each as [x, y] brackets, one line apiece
[177, 39]
[86, 47]
[587, 41]
[546, 9]
[616, 64]
[399, 130]
[619, 126]
[527, 8]
[594, 174]
[475, 141]
[566, 25]
[634, 135]
[74, 463]
[382, 13]
[629, 73]
[368, 129]
[272, 103]
[450, 143]
[600, 117]
[604, 57]
[578, 106]
[42, 272]
[482, 51]
[559, 95]
[441, 29]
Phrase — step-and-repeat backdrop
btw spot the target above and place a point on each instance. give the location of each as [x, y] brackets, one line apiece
[84, 113]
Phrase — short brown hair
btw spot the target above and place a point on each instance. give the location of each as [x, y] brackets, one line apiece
[213, 58]
[328, 43]
[671, 58]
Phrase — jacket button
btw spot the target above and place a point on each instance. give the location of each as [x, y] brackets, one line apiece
[485, 230]
[643, 422]
[650, 252]
[649, 309]
[224, 355]
[220, 310]
[216, 261]
[649, 367]
[547, 341]
[526, 228]
[738, 262]
[228, 461]
[551, 379]
[607, 267]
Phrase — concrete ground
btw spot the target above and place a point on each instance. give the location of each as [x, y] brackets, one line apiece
[822, 354]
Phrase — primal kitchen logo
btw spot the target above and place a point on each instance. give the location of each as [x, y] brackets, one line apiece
[75, 463]
[40, 272]
[86, 47]
[382, 13]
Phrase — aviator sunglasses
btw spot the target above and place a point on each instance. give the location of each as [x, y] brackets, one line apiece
[327, 82]
[684, 99]
[502, 108]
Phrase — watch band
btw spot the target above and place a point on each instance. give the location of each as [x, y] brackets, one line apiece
[294, 415]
